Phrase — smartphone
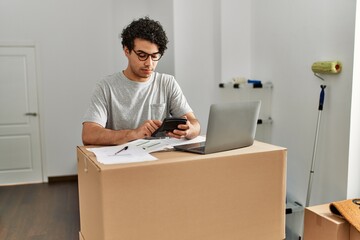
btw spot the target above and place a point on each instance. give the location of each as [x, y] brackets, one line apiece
[169, 124]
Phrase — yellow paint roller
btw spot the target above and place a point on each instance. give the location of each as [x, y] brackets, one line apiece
[327, 67]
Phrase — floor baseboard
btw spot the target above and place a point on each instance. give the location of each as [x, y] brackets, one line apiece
[68, 178]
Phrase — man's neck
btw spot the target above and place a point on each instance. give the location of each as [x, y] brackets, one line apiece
[128, 73]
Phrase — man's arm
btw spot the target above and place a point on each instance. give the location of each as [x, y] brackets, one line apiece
[189, 130]
[95, 134]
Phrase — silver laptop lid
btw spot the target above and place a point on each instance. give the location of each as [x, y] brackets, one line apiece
[231, 125]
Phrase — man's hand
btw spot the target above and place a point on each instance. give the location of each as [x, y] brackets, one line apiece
[189, 130]
[94, 134]
[146, 129]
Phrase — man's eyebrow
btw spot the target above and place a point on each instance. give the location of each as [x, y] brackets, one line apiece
[141, 51]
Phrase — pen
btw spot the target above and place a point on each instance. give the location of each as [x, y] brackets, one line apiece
[123, 149]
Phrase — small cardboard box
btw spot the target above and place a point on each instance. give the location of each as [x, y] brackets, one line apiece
[320, 223]
[354, 234]
[238, 194]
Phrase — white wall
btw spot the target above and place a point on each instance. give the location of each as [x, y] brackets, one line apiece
[77, 44]
[73, 51]
[235, 39]
[353, 190]
[197, 52]
[287, 38]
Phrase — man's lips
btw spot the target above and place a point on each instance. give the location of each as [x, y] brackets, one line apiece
[146, 70]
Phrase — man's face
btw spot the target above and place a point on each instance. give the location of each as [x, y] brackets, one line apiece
[141, 60]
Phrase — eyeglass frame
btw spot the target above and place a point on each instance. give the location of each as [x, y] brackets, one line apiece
[147, 55]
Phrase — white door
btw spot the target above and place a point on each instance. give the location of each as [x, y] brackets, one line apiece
[20, 148]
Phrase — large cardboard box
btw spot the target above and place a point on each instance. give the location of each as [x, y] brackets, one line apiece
[237, 194]
[80, 236]
[321, 224]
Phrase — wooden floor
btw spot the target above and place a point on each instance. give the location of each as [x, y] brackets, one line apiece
[47, 211]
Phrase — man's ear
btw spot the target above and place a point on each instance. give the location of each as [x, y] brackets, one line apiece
[126, 51]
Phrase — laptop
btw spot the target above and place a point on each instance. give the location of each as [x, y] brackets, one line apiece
[230, 126]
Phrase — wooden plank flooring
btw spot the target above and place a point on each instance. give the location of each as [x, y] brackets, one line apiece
[46, 211]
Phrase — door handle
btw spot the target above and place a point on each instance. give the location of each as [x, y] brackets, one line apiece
[33, 114]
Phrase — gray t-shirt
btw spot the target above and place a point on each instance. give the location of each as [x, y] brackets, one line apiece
[119, 103]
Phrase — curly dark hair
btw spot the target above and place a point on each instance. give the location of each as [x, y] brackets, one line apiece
[147, 29]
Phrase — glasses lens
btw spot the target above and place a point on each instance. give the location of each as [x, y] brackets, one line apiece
[156, 56]
[356, 201]
[142, 56]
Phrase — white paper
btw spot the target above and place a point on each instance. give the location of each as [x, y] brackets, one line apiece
[138, 150]
[155, 145]
[132, 154]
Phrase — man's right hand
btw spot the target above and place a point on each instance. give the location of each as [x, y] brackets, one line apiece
[147, 128]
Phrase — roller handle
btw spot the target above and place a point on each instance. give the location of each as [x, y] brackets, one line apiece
[322, 97]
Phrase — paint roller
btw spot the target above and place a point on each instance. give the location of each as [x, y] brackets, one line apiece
[327, 67]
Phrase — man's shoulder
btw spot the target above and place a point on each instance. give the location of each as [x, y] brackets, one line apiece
[109, 80]
[111, 77]
[164, 75]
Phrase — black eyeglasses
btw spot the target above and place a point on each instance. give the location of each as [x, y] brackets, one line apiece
[143, 56]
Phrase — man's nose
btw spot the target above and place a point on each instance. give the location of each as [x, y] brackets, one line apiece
[149, 61]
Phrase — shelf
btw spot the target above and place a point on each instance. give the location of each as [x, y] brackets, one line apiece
[293, 207]
[254, 90]
[265, 121]
[267, 85]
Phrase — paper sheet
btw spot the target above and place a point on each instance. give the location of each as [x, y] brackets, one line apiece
[138, 150]
[155, 145]
[132, 154]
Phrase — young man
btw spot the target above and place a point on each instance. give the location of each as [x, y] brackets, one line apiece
[131, 104]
